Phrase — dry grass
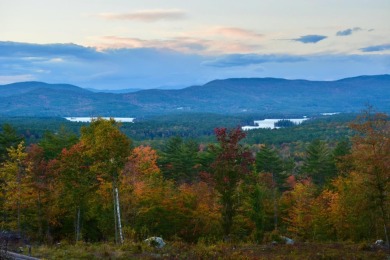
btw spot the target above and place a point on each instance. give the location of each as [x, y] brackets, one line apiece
[180, 250]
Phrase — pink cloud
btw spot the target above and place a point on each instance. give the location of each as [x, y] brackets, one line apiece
[147, 15]
[237, 32]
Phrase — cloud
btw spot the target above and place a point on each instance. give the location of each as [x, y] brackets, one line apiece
[181, 44]
[312, 38]
[35, 51]
[375, 48]
[150, 67]
[236, 32]
[348, 31]
[15, 78]
[236, 60]
[147, 15]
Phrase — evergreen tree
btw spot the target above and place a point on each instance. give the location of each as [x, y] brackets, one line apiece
[318, 163]
[268, 161]
[179, 159]
[54, 142]
[8, 138]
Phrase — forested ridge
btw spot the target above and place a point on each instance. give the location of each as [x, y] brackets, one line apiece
[228, 96]
[98, 185]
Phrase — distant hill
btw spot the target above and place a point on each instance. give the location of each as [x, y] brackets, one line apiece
[115, 91]
[228, 96]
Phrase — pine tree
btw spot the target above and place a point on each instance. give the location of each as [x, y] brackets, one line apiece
[318, 163]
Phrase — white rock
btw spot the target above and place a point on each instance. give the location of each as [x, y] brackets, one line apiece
[157, 242]
[287, 240]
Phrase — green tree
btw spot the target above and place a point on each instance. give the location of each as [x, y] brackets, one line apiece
[342, 149]
[8, 138]
[318, 163]
[268, 161]
[53, 142]
[179, 159]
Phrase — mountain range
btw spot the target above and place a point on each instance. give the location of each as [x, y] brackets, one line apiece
[228, 96]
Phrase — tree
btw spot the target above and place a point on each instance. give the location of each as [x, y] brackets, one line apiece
[352, 211]
[318, 163]
[342, 149]
[8, 138]
[142, 162]
[53, 143]
[268, 161]
[371, 156]
[78, 182]
[179, 159]
[39, 183]
[233, 161]
[13, 176]
[109, 148]
[300, 217]
[258, 198]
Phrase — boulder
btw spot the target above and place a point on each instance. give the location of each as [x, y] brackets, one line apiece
[156, 242]
[287, 240]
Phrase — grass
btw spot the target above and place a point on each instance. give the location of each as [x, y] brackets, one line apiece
[181, 250]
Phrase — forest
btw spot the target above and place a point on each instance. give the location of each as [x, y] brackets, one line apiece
[97, 184]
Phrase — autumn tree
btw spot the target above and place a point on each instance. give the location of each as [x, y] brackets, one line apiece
[371, 156]
[79, 183]
[232, 163]
[300, 216]
[351, 211]
[140, 170]
[39, 183]
[109, 148]
[14, 188]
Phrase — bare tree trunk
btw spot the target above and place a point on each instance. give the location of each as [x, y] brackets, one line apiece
[119, 216]
[384, 218]
[115, 213]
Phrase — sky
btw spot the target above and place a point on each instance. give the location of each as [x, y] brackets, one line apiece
[120, 44]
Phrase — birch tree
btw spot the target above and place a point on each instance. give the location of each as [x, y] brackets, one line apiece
[109, 148]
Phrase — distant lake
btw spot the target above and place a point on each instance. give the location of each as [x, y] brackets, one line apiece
[88, 119]
[270, 123]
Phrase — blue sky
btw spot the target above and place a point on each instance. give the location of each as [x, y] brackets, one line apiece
[120, 44]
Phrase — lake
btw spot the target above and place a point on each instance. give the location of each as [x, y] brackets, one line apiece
[270, 123]
[88, 119]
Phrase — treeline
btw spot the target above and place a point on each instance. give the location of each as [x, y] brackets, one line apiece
[99, 186]
[156, 130]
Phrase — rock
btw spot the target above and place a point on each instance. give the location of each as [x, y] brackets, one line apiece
[287, 240]
[379, 242]
[379, 245]
[156, 242]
